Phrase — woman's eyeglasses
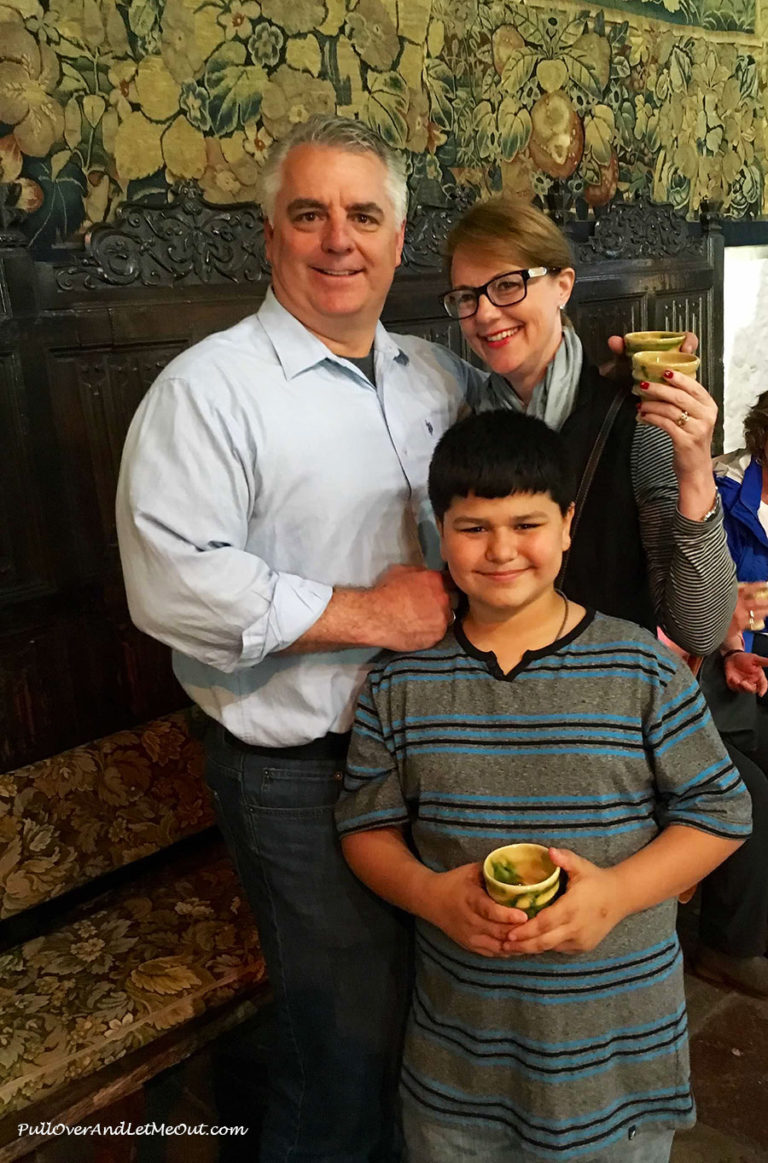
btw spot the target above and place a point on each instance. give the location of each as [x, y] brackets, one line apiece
[502, 291]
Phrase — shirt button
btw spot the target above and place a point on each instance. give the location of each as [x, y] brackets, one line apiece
[632, 1132]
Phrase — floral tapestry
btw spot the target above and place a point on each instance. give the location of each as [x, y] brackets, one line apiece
[715, 15]
[103, 101]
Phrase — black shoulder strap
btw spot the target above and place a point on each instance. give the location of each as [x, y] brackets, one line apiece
[590, 468]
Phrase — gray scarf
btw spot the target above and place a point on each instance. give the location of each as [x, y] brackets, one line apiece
[553, 398]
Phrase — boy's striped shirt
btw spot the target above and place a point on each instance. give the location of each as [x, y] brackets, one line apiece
[591, 744]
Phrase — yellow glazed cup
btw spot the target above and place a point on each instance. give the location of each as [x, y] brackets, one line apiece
[530, 859]
[649, 365]
[653, 341]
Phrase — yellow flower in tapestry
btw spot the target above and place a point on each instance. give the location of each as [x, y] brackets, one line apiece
[256, 141]
[373, 34]
[236, 20]
[290, 97]
[295, 15]
[138, 152]
[28, 74]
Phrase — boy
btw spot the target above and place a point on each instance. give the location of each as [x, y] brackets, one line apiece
[535, 719]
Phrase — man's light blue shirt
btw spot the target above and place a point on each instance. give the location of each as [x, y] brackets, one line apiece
[260, 471]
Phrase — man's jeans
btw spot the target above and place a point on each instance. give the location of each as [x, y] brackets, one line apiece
[337, 958]
[435, 1142]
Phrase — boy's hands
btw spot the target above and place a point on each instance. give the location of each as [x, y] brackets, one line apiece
[578, 921]
[460, 906]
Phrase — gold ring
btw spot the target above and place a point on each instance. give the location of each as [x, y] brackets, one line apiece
[682, 419]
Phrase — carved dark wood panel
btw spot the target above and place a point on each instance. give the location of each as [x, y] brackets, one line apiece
[94, 396]
[595, 320]
[22, 566]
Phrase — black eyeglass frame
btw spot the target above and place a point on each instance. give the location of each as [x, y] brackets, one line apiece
[530, 273]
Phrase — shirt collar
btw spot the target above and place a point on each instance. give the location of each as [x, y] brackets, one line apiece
[298, 349]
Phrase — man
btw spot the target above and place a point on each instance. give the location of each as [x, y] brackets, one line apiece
[274, 530]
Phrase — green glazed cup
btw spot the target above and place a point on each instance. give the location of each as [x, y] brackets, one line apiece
[649, 365]
[653, 341]
[529, 860]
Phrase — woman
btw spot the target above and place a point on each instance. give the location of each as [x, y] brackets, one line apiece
[649, 543]
[648, 538]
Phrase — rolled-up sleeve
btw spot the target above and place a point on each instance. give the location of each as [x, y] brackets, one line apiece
[188, 483]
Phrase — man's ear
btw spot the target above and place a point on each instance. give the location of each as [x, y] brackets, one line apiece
[268, 235]
[399, 244]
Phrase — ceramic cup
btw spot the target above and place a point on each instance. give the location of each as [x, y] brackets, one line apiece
[653, 341]
[531, 864]
[650, 365]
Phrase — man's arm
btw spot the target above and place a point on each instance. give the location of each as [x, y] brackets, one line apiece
[185, 493]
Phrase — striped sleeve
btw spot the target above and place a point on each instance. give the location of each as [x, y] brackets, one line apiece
[696, 782]
[371, 795]
[692, 576]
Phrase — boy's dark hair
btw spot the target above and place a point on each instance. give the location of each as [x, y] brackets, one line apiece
[496, 454]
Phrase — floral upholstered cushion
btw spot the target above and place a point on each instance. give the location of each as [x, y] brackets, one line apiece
[147, 959]
[71, 818]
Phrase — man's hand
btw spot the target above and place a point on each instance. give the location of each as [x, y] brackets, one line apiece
[746, 672]
[408, 609]
[460, 906]
[413, 606]
[578, 921]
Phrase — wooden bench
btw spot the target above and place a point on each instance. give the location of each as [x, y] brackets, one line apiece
[126, 942]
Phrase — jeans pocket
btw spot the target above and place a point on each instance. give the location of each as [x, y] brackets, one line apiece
[300, 791]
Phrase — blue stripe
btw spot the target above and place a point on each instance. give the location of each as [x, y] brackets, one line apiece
[575, 749]
[608, 797]
[723, 767]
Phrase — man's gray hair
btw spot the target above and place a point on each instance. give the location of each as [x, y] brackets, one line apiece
[336, 133]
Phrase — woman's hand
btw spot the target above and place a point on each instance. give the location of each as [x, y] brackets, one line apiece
[684, 409]
[577, 922]
[745, 672]
[460, 906]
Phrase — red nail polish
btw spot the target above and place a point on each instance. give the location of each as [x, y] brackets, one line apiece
[668, 375]
[645, 384]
